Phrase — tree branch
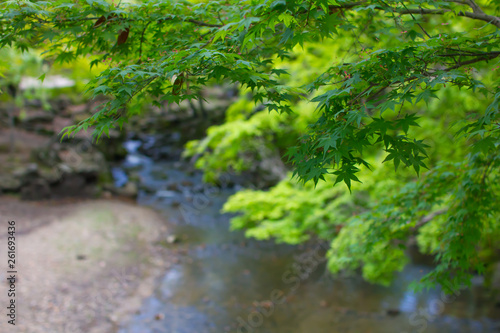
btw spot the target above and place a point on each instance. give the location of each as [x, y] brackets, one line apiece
[203, 24]
[429, 218]
[142, 38]
[414, 19]
[495, 54]
[346, 5]
[492, 55]
[82, 19]
[477, 16]
[462, 2]
[477, 13]
[475, 7]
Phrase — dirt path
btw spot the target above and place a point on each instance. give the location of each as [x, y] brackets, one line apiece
[82, 266]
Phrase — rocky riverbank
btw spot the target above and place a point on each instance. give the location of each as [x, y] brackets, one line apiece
[36, 164]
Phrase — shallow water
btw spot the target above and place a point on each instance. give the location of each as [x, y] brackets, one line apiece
[225, 282]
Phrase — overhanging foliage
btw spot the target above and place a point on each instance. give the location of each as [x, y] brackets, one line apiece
[395, 58]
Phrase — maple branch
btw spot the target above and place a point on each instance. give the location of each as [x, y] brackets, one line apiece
[142, 38]
[477, 16]
[414, 19]
[475, 7]
[429, 218]
[468, 54]
[83, 19]
[477, 13]
[490, 56]
[203, 24]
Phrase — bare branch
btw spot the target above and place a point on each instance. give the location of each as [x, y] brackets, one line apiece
[414, 19]
[490, 56]
[462, 2]
[142, 38]
[477, 16]
[475, 7]
[203, 24]
[468, 54]
[477, 13]
[429, 218]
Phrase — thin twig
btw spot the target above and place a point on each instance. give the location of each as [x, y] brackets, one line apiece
[414, 19]
[142, 39]
[468, 54]
[362, 93]
[220, 18]
[308, 12]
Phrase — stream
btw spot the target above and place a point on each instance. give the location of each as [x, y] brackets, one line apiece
[223, 282]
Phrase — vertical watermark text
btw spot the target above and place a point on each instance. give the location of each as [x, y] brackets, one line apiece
[11, 272]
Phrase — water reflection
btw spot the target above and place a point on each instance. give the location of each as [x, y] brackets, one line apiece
[408, 302]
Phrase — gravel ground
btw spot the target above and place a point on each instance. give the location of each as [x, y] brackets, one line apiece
[82, 266]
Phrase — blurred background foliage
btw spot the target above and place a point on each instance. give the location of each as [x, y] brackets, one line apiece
[25, 75]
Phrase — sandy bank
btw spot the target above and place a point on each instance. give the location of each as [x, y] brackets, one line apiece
[82, 266]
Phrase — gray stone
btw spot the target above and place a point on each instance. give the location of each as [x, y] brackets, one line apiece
[171, 239]
[166, 194]
[37, 189]
[35, 117]
[129, 190]
[495, 279]
[9, 183]
[29, 170]
[173, 187]
[147, 188]
[51, 175]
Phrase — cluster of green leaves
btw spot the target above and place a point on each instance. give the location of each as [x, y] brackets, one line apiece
[352, 117]
[389, 61]
[250, 133]
[452, 210]
[169, 50]
[165, 50]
